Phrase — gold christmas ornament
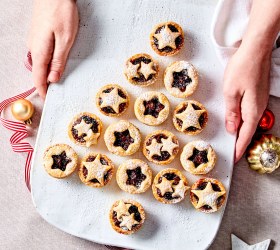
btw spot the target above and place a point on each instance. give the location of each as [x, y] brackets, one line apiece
[264, 154]
[23, 110]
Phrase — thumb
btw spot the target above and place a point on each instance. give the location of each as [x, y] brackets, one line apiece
[233, 113]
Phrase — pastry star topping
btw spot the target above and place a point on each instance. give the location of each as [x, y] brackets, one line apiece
[154, 148]
[190, 117]
[166, 38]
[96, 170]
[132, 70]
[112, 99]
[128, 221]
[168, 145]
[165, 186]
[147, 69]
[121, 209]
[83, 127]
[208, 197]
[180, 189]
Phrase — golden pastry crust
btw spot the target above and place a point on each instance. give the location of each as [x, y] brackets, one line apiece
[141, 69]
[207, 195]
[198, 157]
[122, 138]
[172, 183]
[96, 170]
[190, 117]
[125, 214]
[60, 160]
[161, 147]
[80, 132]
[152, 108]
[134, 176]
[112, 100]
[181, 79]
[167, 38]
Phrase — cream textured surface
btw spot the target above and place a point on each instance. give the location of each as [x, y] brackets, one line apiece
[22, 227]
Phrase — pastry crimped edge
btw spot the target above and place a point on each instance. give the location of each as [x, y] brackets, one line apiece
[178, 66]
[76, 117]
[160, 174]
[139, 108]
[174, 51]
[214, 181]
[179, 106]
[146, 83]
[141, 211]
[92, 184]
[112, 85]
[121, 126]
[145, 151]
[132, 164]
[203, 168]
[57, 149]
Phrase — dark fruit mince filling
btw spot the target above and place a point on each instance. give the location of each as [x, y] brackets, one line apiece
[123, 139]
[178, 40]
[153, 107]
[88, 120]
[135, 177]
[198, 157]
[109, 109]
[60, 161]
[132, 210]
[169, 176]
[181, 80]
[141, 77]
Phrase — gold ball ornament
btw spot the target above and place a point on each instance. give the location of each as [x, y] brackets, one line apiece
[263, 155]
[23, 110]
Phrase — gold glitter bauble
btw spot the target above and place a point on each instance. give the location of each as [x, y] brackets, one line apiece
[264, 154]
[22, 110]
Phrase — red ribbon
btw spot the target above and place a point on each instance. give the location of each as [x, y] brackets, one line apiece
[19, 127]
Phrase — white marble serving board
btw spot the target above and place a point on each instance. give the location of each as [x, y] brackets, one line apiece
[110, 32]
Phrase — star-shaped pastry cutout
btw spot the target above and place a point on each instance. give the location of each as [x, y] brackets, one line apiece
[238, 244]
[207, 196]
[154, 148]
[190, 117]
[180, 189]
[147, 69]
[91, 138]
[165, 186]
[96, 170]
[60, 161]
[153, 107]
[128, 221]
[166, 38]
[168, 145]
[112, 99]
[132, 70]
[121, 209]
[83, 127]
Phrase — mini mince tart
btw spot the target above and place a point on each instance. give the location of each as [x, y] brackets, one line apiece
[134, 176]
[207, 195]
[170, 186]
[85, 129]
[60, 160]
[167, 38]
[161, 147]
[112, 100]
[198, 157]
[141, 69]
[181, 79]
[127, 216]
[122, 138]
[190, 117]
[152, 108]
[96, 170]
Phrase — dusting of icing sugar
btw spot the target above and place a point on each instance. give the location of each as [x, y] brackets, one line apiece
[202, 145]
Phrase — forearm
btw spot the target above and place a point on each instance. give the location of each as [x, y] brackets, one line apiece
[264, 25]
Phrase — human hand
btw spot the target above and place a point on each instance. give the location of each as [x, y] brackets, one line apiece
[53, 31]
[246, 92]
